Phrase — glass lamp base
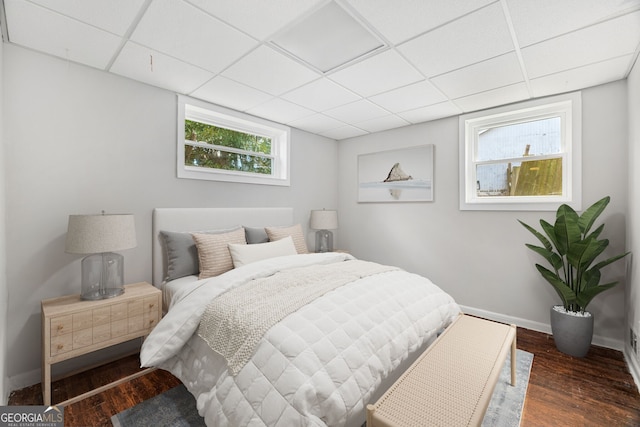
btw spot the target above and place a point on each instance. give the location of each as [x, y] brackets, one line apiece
[324, 241]
[102, 276]
[102, 294]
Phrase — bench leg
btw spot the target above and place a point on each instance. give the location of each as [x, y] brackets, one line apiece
[513, 358]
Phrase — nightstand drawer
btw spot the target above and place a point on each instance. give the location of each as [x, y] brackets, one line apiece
[151, 315]
[82, 320]
[119, 311]
[119, 327]
[61, 344]
[101, 333]
[61, 325]
[82, 338]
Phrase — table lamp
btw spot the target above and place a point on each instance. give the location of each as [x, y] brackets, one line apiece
[99, 236]
[323, 221]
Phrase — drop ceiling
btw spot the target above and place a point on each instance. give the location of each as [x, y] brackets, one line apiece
[398, 62]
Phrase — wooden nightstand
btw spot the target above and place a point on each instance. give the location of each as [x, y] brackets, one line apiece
[72, 327]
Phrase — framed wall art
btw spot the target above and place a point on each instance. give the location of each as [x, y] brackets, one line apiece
[402, 175]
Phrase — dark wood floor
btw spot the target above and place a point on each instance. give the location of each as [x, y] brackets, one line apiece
[597, 390]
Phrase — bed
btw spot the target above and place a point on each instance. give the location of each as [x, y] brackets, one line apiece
[284, 338]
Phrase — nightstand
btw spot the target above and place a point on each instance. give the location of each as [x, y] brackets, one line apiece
[72, 327]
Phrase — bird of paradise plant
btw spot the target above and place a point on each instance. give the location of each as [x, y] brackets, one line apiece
[571, 248]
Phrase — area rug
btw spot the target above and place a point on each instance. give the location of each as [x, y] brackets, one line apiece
[177, 407]
[505, 408]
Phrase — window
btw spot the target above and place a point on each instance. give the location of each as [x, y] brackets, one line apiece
[215, 143]
[522, 157]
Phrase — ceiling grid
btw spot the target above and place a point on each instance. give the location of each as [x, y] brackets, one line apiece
[425, 60]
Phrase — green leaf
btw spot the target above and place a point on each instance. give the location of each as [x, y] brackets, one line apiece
[551, 233]
[552, 257]
[585, 297]
[590, 279]
[590, 215]
[582, 254]
[610, 260]
[539, 235]
[566, 228]
[564, 291]
[596, 233]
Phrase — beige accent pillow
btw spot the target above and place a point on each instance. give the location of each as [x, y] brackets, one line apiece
[295, 231]
[246, 254]
[213, 251]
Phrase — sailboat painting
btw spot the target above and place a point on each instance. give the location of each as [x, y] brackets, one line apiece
[402, 175]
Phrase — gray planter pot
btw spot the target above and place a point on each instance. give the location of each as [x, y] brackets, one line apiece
[572, 334]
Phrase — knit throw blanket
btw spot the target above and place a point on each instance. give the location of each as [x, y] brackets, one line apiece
[233, 323]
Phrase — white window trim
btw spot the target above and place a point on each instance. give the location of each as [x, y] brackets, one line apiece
[213, 114]
[568, 105]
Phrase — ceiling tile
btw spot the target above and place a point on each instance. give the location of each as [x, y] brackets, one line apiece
[382, 123]
[154, 68]
[310, 42]
[358, 111]
[493, 73]
[258, 18]
[610, 39]
[380, 73]
[228, 93]
[432, 112]
[317, 123]
[539, 20]
[321, 95]
[577, 78]
[344, 132]
[61, 36]
[403, 19]
[184, 32]
[280, 111]
[491, 98]
[472, 38]
[409, 97]
[270, 71]
[115, 16]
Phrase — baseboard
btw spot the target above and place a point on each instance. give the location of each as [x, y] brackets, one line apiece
[537, 326]
[634, 368]
[4, 396]
[25, 379]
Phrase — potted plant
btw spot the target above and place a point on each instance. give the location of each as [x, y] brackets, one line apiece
[571, 249]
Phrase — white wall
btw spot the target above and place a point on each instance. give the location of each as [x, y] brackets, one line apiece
[79, 141]
[633, 228]
[480, 257]
[4, 382]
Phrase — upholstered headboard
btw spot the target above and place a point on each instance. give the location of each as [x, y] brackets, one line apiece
[197, 219]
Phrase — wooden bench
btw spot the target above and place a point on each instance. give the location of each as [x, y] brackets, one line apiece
[451, 383]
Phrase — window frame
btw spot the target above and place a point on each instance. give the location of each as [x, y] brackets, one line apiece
[204, 112]
[569, 108]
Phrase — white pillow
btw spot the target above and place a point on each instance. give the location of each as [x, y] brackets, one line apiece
[245, 254]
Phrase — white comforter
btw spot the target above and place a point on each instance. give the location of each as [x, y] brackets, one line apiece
[319, 366]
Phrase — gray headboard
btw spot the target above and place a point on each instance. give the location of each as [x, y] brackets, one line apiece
[195, 219]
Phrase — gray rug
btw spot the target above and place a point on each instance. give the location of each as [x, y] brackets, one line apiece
[177, 407]
[505, 408]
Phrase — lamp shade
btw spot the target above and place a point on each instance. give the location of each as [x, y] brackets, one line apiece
[91, 234]
[324, 220]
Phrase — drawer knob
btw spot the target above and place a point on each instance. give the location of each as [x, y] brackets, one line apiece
[60, 327]
[152, 305]
[60, 346]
